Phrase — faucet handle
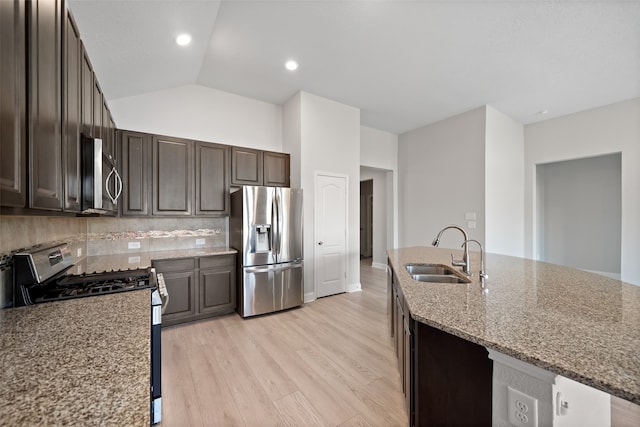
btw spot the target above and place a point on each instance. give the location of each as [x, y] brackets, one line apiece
[457, 262]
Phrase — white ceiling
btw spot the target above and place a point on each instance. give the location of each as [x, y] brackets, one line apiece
[405, 64]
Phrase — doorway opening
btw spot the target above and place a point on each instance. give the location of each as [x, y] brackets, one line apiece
[579, 213]
[366, 218]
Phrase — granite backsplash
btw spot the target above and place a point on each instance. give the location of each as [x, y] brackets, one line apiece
[103, 236]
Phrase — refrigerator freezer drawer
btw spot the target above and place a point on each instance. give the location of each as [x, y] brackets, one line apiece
[266, 289]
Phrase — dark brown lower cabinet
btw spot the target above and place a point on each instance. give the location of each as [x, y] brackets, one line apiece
[452, 380]
[446, 380]
[181, 286]
[198, 287]
[217, 282]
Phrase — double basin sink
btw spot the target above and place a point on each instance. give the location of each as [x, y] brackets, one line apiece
[434, 273]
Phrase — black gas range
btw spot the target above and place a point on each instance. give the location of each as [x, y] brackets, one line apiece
[40, 276]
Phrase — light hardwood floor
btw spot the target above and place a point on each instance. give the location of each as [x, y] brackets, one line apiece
[329, 363]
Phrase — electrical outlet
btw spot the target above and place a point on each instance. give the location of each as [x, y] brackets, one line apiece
[79, 252]
[134, 245]
[199, 242]
[523, 409]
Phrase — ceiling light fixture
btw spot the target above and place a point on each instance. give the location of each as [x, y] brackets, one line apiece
[183, 39]
[291, 65]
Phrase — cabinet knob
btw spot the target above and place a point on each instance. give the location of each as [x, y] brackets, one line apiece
[320, 243]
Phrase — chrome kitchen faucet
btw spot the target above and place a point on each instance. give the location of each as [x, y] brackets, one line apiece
[464, 262]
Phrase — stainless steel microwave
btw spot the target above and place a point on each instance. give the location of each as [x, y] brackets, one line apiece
[101, 182]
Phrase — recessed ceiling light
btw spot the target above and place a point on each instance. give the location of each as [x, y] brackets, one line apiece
[291, 65]
[183, 39]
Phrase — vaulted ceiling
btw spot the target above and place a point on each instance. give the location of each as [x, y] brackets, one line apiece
[405, 64]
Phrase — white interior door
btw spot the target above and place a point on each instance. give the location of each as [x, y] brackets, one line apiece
[330, 234]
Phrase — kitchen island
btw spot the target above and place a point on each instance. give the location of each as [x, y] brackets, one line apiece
[80, 361]
[580, 325]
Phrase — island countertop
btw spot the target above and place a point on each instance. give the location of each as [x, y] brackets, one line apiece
[580, 325]
[80, 361]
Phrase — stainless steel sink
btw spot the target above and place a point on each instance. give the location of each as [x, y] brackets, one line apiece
[439, 278]
[434, 273]
[436, 269]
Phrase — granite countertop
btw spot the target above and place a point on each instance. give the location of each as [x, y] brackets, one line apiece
[80, 361]
[133, 260]
[580, 325]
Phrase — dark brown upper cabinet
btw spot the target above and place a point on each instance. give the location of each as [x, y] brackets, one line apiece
[246, 167]
[166, 176]
[256, 167]
[87, 89]
[172, 176]
[71, 120]
[13, 104]
[108, 132]
[212, 179]
[275, 169]
[136, 173]
[97, 110]
[45, 136]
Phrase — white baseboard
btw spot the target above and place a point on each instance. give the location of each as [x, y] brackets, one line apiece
[354, 287]
[379, 265]
[309, 297]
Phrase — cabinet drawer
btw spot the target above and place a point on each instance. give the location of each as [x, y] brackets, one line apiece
[183, 264]
[217, 261]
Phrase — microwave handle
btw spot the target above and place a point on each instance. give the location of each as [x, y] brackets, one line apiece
[117, 185]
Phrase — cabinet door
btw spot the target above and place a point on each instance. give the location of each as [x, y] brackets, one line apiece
[136, 173]
[217, 290]
[276, 169]
[97, 110]
[212, 179]
[246, 167]
[172, 176]
[181, 287]
[107, 140]
[45, 136]
[399, 344]
[406, 380]
[72, 66]
[86, 92]
[13, 97]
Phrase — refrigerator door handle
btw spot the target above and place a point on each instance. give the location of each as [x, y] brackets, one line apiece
[287, 266]
[276, 221]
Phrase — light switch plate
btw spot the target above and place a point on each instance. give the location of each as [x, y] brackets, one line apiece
[470, 216]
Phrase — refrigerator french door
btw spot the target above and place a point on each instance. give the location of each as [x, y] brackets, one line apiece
[266, 228]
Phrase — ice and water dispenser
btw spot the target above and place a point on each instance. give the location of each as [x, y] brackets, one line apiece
[261, 238]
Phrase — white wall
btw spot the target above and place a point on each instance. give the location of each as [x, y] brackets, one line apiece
[379, 150]
[604, 130]
[504, 183]
[327, 136]
[441, 177]
[202, 113]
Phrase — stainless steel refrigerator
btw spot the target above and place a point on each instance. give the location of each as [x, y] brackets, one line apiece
[266, 228]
